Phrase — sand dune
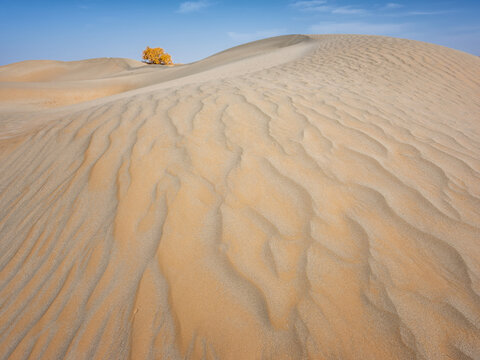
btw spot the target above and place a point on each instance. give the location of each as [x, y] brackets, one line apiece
[33, 85]
[297, 197]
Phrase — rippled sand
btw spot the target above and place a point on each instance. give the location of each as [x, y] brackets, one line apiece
[299, 197]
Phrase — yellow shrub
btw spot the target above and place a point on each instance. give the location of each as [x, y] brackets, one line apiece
[166, 59]
[156, 56]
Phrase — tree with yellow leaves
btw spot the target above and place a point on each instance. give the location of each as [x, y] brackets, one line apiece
[156, 56]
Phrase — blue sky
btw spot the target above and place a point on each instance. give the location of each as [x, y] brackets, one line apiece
[192, 30]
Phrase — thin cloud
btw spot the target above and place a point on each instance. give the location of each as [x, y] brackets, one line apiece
[322, 6]
[308, 4]
[393, 6]
[357, 28]
[192, 6]
[346, 10]
[312, 5]
[439, 12]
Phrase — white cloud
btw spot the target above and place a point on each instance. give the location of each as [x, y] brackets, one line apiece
[192, 6]
[393, 6]
[257, 35]
[321, 6]
[344, 10]
[357, 28]
[312, 5]
[429, 12]
[307, 4]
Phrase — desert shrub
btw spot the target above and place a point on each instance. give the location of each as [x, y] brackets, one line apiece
[156, 56]
[166, 59]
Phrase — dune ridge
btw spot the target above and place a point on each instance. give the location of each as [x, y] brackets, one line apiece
[322, 205]
[33, 85]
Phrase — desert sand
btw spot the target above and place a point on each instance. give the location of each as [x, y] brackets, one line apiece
[297, 197]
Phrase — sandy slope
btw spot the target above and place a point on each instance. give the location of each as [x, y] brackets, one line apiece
[32, 85]
[299, 197]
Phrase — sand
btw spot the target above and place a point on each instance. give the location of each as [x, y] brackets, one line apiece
[298, 197]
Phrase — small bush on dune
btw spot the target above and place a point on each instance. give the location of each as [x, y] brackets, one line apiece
[156, 56]
[166, 59]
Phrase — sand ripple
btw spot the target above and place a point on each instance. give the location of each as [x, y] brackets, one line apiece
[324, 207]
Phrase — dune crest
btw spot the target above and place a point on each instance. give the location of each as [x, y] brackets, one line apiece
[40, 84]
[298, 197]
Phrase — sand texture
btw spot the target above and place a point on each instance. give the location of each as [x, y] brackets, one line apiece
[300, 197]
